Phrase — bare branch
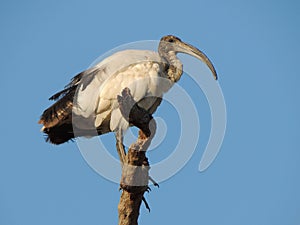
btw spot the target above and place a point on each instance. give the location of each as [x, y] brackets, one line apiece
[135, 169]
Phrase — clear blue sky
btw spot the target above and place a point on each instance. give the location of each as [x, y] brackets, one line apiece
[255, 48]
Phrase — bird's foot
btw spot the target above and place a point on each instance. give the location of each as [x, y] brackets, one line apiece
[153, 182]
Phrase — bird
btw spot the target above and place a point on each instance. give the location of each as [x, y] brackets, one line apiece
[88, 105]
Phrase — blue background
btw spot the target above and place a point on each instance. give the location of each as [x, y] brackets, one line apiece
[255, 48]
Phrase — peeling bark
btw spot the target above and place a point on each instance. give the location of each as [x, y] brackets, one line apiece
[135, 169]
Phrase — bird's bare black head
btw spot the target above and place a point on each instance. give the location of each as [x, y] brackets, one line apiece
[167, 43]
[170, 39]
[171, 45]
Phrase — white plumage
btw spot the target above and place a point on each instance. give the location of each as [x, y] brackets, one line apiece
[139, 70]
[89, 103]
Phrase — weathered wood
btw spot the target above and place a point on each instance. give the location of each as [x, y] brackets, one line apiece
[135, 168]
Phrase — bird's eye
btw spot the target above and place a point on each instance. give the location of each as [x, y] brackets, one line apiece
[171, 40]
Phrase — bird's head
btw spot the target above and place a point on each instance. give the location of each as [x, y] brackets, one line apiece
[172, 44]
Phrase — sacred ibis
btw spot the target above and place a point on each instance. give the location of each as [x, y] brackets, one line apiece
[88, 105]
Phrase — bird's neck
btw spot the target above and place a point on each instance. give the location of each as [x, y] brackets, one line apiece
[174, 67]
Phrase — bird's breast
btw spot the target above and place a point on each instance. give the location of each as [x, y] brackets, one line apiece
[146, 83]
[142, 72]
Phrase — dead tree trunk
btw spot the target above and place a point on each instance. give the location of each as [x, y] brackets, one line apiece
[135, 168]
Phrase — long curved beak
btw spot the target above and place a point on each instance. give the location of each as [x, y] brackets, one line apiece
[183, 47]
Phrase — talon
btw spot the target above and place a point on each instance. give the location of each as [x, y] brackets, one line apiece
[153, 182]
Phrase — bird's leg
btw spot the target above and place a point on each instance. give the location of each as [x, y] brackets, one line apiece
[140, 118]
[120, 146]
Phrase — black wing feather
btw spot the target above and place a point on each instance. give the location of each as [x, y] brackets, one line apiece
[57, 119]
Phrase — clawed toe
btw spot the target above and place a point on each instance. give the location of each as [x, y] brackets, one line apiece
[153, 182]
